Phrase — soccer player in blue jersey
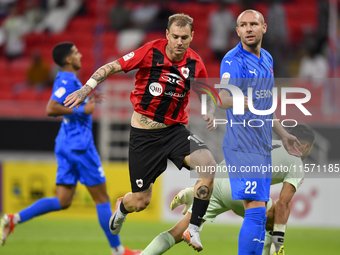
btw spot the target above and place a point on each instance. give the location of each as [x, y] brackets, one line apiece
[75, 151]
[247, 145]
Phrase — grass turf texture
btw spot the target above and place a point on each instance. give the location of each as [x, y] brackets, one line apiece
[84, 237]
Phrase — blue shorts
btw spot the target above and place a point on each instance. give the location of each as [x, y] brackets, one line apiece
[79, 165]
[249, 175]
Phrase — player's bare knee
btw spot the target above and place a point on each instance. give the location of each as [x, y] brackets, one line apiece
[141, 205]
[65, 204]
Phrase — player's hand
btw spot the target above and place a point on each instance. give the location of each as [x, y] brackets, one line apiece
[289, 144]
[186, 197]
[210, 119]
[77, 97]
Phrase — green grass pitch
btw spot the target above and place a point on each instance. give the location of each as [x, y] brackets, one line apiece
[84, 237]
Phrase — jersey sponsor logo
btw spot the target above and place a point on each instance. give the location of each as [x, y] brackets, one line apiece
[253, 72]
[225, 78]
[173, 78]
[139, 183]
[174, 94]
[64, 82]
[60, 92]
[185, 72]
[129, 56]
[162, 64]
[228, 62]
[263, 93]
[155, 89]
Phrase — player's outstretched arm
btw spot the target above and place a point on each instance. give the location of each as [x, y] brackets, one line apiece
[76, 98]
[287, 139]
[55, 109]
[209, 118]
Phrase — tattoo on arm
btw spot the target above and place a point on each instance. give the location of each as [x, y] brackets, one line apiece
[210, 105]
[83, 92]
[197, 182]
[203, 192]
[105, 71]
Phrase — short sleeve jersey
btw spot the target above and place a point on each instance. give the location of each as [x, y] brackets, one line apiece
[76, 129]
[162, 86]
[249, 133]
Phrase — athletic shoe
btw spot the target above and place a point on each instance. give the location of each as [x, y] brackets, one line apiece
[192, 237]
[6, 227]
[115, 222]
[131, 252]
[281, 251]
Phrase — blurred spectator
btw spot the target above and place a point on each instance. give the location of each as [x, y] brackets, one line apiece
[161, 21]
[37, 76]
[15, 28]
[38, 73]
[222, 24]
[314, 65]
[5, 7]
[120, 16]
[144, 13]
[276, 38]
[33, 14]
[59, 13]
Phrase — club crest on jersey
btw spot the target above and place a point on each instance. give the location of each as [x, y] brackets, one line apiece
[225, 78]
[139, 183]
[185, 72]
[271, 70]
[155, 89]
[128, 56]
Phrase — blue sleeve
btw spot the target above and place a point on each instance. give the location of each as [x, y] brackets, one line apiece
[62, 88]
[230, 72]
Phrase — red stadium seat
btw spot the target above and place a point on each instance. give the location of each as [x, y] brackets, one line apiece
[28, 95]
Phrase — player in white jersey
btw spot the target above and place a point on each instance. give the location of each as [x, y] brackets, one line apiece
[221, 200]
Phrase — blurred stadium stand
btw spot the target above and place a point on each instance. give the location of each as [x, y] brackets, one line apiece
[98, 45]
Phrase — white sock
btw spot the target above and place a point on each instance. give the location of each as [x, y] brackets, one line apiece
[160, 244]
[16, 219]
[119, 250]
[267, 243]
[193, 227]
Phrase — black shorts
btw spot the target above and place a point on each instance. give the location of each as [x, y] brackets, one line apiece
[149, 150]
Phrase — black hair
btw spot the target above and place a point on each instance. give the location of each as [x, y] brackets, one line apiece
[303, 133]
[61, 51]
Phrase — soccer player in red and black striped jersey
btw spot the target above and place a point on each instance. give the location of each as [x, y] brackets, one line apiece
[166, 69]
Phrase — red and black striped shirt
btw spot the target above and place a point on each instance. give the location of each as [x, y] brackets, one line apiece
[162, 86]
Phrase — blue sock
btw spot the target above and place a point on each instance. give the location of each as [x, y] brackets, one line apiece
[104, 213]
[263, 236]
[40, 207]
[251, 231]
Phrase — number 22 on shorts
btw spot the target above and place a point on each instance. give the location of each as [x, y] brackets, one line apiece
[251, 186]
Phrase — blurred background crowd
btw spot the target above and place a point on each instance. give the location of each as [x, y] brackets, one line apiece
[302, 37]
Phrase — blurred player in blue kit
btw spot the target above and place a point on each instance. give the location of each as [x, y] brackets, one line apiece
[75, 151]
[250, 66]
